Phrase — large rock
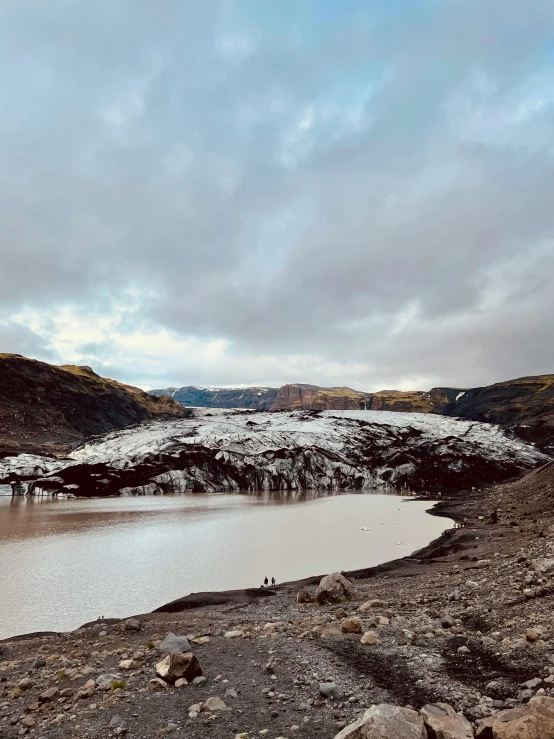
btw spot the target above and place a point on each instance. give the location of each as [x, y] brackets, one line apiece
[442, 722]
[386, 722]
[535, 720]
[174, 644]
[334, 588]
[175, 666]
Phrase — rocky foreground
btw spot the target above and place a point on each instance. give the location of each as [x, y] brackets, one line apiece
[454, 642]
[223, 450]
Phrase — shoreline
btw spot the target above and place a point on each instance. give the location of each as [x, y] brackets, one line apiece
[402, 566]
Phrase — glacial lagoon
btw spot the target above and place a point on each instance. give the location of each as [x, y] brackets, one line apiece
[64, 562]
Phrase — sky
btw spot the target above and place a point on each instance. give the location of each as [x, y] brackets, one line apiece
[339, 192]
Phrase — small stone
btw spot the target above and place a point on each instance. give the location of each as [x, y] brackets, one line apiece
[330, 690]
[370, 638]
[171, 727]
[181, 682]
[28, 722]
[233, 634]
[463, 650]
[371, 605]
[531, 635]
[116, 721]
[214, 704]
[128, 664]
[156, 684]
[200, 680]
[351, 625]
[49, 695]
[105, 681]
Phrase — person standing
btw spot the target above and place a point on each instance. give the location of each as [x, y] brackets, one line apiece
[272, 582]
[266, 582]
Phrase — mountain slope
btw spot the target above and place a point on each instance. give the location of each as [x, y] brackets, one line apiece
[47, 408]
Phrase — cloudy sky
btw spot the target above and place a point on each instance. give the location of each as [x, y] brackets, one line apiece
[341, 192]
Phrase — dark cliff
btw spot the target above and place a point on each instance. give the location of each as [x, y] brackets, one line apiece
[312, 397]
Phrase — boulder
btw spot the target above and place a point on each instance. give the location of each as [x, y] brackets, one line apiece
[442, 722]
[174, 666]
[132, 624]
[386, 722]
[174, 644]
[334, 588]
[371, 638]
[351, 625]
[303, 597]
[535, 720]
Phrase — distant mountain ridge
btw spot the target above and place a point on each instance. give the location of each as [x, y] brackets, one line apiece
[255, 398]
[525, 404]
[302, 396]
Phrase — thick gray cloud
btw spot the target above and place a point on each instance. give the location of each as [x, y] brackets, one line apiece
[248, 192]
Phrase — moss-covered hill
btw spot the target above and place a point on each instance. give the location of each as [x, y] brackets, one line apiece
[44, 408]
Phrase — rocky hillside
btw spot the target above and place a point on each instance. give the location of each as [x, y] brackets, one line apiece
[255, 398]
[48, 409]
[526, 400]
[226, 450]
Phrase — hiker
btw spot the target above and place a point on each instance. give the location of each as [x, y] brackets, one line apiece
[266, 582]
[272, 582]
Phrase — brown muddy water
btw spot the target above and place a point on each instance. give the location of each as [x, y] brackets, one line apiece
[64, 562]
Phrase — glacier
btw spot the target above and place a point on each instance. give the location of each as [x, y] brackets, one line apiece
[230, 450]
